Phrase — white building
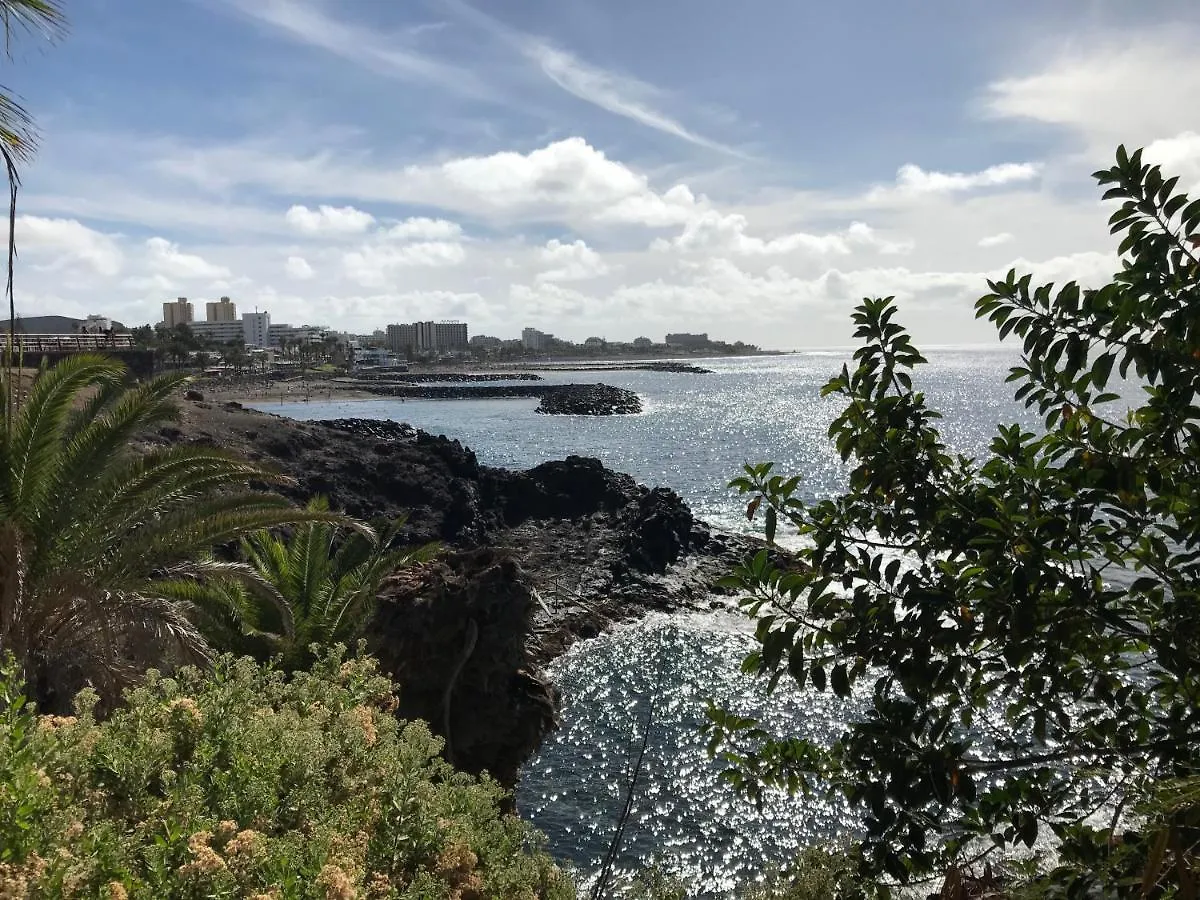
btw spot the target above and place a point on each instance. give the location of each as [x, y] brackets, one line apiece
[256, 329]
[178, 312]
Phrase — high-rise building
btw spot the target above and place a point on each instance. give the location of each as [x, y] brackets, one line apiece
[447, 336]
[178, 312]
[402, 338]
[256, 329]
[223, 310]
[427, 337]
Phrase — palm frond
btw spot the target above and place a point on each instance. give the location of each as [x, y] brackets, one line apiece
[42, 17]
[34, 439]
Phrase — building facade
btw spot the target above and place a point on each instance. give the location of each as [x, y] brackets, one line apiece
[427, 337]
[402, 338]
[223, 310]
[256, 329]
[683, 339]
[177, 312]
[218, 332]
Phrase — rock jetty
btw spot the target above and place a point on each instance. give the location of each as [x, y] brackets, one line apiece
[590, 400]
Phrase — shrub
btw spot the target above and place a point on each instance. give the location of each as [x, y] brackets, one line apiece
[246, 782]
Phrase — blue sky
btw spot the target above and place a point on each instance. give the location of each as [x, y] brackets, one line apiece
[604, 167]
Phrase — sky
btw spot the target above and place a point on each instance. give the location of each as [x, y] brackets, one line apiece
[611, 168]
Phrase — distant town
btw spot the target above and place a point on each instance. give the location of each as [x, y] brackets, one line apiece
[223, 336]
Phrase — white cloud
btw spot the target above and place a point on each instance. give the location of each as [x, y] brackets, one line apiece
[1132, 87]
[57, 243]
[565, 181]
[376, 265]
[298, 267]
[995, 240]
[913, 181]
[329, 220]
[710, 231]
[425, 230]
[617, 94]
[1179, 155]
[384, 54]
[166, 259]
[570, 262]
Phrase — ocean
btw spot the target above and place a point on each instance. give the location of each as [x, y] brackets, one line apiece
[693, 437]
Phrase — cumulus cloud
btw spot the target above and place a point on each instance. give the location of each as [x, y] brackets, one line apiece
[913, 181]
[329, 220]
[165, 258]
[1179, 155]
[710, 231]
[575, 261]
[58, 243]
[298, 267]
[565, 181]
[425, 229]
[1129, 87]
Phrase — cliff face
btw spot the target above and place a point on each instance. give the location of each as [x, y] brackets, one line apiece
[534, 560]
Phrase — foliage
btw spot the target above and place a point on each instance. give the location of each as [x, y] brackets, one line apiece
[815, 874]
[1023, 630]
[244, 782]
[98, 541]
[328, 583]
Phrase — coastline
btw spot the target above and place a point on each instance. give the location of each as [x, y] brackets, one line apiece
[538, 559]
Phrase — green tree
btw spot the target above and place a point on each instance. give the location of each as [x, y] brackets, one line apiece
[1022, 630]
[143, 336]
[96, 540]
[327, 575]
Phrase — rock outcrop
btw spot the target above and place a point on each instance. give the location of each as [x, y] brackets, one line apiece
[534, 559]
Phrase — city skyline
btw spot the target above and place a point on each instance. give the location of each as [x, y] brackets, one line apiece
[588, 168]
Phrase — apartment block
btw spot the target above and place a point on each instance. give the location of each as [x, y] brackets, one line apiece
[177, 312]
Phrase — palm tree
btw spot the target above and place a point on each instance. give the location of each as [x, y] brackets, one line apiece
[328, 575]
[98, 544]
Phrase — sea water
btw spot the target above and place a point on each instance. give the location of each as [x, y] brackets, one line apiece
[695, 434]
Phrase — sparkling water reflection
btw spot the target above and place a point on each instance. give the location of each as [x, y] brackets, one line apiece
[694, 436]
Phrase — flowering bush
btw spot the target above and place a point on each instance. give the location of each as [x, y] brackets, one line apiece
[245, 782]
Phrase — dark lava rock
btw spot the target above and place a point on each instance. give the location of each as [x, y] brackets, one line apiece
[380, 429]
[564, 489]
[453, 635]
[590, 400]
[661, 530]
[535, 559]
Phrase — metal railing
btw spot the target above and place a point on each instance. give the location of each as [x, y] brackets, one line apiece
[67, 343]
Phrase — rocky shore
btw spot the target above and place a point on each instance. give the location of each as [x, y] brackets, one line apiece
[533, 561]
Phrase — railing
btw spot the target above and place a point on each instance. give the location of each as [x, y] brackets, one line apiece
[67, 343]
